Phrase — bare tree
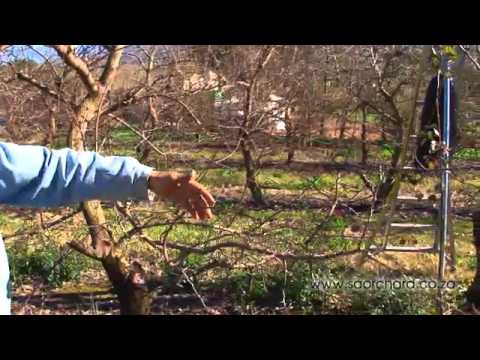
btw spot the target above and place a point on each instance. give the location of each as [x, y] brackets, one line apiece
[133, 298]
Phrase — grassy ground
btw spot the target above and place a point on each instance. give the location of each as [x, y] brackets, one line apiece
[254, 283]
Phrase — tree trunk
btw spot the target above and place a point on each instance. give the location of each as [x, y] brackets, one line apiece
[133, 298]
[343, 125]
[83, 115]
[387, 185]
[473, 292]
[290, 155]
[384, 135]
[322, 125]
[250, 169]
[149, 123]
[151, 120]
[290, 134]
[52, 128]
[364, 137]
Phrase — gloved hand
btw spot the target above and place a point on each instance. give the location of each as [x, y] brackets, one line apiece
[184, 191]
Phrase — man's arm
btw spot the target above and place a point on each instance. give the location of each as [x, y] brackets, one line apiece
[35, 176]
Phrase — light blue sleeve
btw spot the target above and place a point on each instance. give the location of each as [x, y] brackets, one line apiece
[35, 176]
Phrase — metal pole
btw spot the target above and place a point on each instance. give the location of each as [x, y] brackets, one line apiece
[445, 200]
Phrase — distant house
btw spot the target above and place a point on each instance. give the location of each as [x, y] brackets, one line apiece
[229, 108]
[197, 81]
[276, 111]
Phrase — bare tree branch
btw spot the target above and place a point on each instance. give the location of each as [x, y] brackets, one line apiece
[119, 119]
[259, 250]
[185, 106]
[68, 55]
[112, 65]
[470, 57]
[42, 87]
[83, 250]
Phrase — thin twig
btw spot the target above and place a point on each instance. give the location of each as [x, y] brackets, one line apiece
[470, 57]
[119, 119]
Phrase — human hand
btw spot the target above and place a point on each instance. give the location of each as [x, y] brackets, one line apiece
[184, 191]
